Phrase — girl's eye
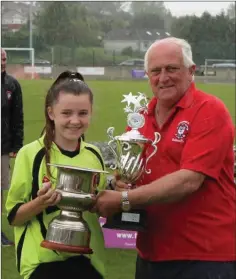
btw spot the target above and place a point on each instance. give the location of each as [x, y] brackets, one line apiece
[66, 112]
[83, 113]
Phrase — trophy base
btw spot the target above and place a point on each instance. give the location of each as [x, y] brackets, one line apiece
[66, 248]
[134, 220]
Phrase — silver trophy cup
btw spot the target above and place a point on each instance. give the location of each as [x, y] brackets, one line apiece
[129, 151]
[69, 232]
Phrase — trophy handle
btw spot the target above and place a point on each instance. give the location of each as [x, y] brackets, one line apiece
[156, 140]
[110, 132]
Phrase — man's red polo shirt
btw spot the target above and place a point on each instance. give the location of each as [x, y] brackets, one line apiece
[198, 136]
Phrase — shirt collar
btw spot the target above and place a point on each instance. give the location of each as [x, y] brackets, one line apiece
[55, 147]
[187, 98]
[184, 102]
[151, 106]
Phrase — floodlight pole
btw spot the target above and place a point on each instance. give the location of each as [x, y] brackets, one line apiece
[32, 64]
[30, 25]
[52, 52]
[30, 31]
[205, 67]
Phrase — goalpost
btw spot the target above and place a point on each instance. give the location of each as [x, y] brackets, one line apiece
[31, 50]
[221, 68]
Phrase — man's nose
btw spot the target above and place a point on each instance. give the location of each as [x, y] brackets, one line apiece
[163, 75]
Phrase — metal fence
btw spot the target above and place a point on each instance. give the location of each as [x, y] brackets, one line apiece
[112, 73]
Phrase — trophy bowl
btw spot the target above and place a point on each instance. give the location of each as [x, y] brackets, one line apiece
[69, 232]
[129, 151]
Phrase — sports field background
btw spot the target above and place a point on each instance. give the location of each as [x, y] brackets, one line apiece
[107, 111]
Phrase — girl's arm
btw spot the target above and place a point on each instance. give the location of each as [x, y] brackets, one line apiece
[46, 197]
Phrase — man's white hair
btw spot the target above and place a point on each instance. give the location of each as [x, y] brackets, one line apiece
[185, 46]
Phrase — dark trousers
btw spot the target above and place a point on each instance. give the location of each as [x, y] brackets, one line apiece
[185, 270]
[78, 267]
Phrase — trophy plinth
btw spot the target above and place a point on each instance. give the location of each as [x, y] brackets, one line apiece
[134, 220]
[69, 232]
[131, 162]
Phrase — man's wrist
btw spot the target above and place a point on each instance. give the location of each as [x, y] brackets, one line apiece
[125, 203]
[137, 197]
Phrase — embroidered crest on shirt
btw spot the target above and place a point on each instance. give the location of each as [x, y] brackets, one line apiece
[181, 131]
[9, 93]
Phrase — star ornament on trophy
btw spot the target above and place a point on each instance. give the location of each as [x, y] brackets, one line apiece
[131, 162]
[135, 120]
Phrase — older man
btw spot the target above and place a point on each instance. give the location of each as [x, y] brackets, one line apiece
[12, 126]
[190, 194]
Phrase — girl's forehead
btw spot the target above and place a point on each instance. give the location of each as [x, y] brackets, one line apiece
[65, 96]
[72, 100]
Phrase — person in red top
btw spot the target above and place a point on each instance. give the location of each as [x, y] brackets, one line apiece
[190, 194]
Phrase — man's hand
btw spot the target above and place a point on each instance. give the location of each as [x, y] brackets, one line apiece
[108, 203]
[48, 196]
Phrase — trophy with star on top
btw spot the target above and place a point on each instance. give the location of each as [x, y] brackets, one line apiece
[130, 160]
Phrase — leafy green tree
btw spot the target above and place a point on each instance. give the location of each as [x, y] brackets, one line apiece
[149, 15]
[211, 37]
[231, 11]
[54, 24]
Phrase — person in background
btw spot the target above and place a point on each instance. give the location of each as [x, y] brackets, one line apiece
[12, 131]
[190, 194]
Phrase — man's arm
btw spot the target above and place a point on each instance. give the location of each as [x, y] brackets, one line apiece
[170, 188]
[17, 119]
[203, 156]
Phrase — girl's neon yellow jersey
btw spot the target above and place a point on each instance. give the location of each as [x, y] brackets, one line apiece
[28, 175]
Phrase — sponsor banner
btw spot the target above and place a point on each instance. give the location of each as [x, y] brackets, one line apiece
[118, 238]
[138, 74]
[91, 71]
[37, 69]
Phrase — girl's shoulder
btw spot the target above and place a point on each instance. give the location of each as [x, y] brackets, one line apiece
[31, 149]
[93, 149]
[91, 146]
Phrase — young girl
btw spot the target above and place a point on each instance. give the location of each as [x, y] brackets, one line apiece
[31, 202]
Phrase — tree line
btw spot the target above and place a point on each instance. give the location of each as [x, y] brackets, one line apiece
[73, 28]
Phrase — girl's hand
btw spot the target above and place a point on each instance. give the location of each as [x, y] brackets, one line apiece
[48, 196]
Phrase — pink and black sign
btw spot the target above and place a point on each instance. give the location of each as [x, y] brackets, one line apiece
[118, 238]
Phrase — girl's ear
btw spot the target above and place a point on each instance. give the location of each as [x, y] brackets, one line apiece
[50, 113]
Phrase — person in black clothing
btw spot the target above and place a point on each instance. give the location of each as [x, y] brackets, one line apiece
[12, 122]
